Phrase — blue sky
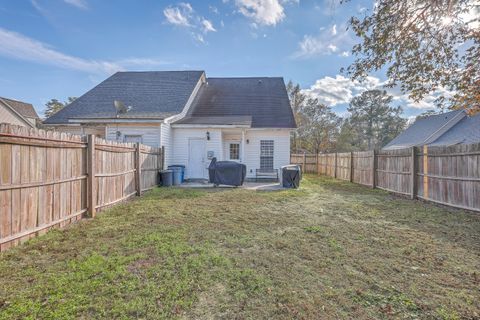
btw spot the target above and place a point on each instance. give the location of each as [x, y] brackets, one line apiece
[60, 48]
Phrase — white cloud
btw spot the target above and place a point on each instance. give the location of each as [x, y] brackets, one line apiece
[179, 15]
[340, 90]
[183, 15]
[264, 12]
[81, 4]
[20, 47]
[327, 41]
[208, 26]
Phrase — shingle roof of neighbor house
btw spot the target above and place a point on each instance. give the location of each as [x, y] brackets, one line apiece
[23, 108]
[152, 95]
[443, 129]
[263, 99]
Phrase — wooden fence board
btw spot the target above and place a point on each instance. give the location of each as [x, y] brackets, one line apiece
[43, 179]
[448, 175]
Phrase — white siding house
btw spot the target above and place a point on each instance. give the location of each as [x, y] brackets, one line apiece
[195, 118]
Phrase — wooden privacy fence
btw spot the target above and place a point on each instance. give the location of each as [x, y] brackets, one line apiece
[50, 179]
[448, 175]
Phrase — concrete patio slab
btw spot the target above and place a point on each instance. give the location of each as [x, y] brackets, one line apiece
[257, 186]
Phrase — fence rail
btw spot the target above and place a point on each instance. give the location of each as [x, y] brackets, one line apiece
[448, 175]
[51, 179]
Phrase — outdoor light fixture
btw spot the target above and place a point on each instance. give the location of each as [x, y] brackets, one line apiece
[208, 135]
[248, 141]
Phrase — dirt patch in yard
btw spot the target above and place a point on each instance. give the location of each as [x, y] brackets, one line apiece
[329, 250]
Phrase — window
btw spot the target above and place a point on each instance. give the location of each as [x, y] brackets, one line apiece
[132, 138]
[234, 151]
[266, 154]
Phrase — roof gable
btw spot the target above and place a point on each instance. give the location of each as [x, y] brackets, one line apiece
[425, 131]
[466, 131]
[23, 108]
[152, 95]
[263, 99]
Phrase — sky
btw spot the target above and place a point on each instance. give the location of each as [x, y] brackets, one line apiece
[61, 48]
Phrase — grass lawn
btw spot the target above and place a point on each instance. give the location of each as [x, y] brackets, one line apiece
[329, 250]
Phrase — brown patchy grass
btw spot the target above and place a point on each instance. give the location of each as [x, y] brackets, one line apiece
[329, 250]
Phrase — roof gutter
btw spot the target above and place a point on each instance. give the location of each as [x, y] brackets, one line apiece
[115, 120]
[210, 126]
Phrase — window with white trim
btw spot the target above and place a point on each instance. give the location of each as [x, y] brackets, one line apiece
[266, 154]
[234, 150]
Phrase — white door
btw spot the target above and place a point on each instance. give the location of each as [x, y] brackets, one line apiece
[196, 159]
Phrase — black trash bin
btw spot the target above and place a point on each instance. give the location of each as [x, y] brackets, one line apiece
[166, 177]
[291, 176]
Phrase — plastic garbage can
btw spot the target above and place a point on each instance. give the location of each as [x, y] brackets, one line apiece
[291, 176]
[181, 166]
[177, 175]
[166, 177]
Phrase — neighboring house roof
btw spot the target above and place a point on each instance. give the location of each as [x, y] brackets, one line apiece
[152, 95]
[443, 129]
[466, 131]
[24, 109]
[263, 99]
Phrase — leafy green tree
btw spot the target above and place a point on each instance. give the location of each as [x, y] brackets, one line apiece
[372, 119]
[320, 128]
[53, 106]
[297, 100]
[425, 45]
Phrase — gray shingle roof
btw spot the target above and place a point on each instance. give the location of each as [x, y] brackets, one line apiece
[23, 108]
[227, 120]
[466, 131]
[152, 94]
[263, 99]
[444, 129]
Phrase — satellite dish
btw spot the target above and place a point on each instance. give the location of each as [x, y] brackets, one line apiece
[120, 107]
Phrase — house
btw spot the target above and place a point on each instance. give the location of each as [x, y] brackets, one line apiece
[450, 128]
[18, 113]
[194, 117]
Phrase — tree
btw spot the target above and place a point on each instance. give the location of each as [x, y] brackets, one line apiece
[53, 106]
[425, 45]
[320, 128]
[297, 100]
[427, 114]
[373, 121]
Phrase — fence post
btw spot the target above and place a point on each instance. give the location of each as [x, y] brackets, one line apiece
[351, 166]
[413, 173]
[304, 166]
[335, 167]
[91, 187]
[425, 172]
[316, 163]
[162, 160]
[138, 169]
[374, 168]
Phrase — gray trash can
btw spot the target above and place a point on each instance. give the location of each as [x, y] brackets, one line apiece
[167, 178]
[177, 175]
[181, 166]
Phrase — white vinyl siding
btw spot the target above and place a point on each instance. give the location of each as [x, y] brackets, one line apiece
[166, 141]
[281, 152]
[150, 133]
[180, 142]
